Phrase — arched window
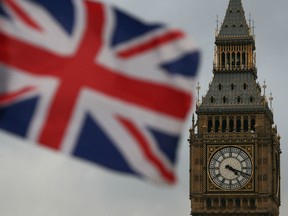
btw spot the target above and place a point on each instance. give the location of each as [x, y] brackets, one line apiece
[209, 203]
[232, 86]
[238, 203]
[246, 124]
[253, 122]
[251, 99]
[228, 60]
[238, 100]
[245, 203]
[216, 203]
[210, 125]
[231, 125]
[223, 203]
[244, 60]
[220, 86]
[238, 125]
[217, 125]
[238, 59]
[225, 100]
[224, 125]
[233, 59]
[223, 59]
[212, 99]
[245, 86]
[253, 203]
[230, 203]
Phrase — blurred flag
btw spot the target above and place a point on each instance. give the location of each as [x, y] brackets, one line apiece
[87, 79]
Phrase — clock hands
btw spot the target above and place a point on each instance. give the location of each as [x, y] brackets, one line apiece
[236, 171]
[231, 169]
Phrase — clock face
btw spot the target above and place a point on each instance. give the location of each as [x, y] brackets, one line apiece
[230, 168]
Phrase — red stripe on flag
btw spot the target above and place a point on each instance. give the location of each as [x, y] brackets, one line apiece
[81, 66]
[148, 152]
[6, 98]
[23, 15]
[154, 96]
[151, 44]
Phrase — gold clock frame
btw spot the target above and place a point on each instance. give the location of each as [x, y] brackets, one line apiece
[212, 149]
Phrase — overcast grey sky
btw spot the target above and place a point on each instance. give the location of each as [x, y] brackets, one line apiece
[34, 181]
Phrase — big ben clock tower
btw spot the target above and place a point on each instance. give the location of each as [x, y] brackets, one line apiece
[234, 145]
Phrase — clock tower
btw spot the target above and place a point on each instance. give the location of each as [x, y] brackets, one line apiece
[234, 145]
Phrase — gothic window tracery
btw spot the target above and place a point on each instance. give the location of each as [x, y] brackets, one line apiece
[230, 203]
[238, 59]
[238, 100]
[238, 203]
[231, 124]
[238, 124]
[253, 124]
[212, 99]
[228, 60]
[246, 124]
[252, 203]
[223, 203]
[223, 59]
[224, 125]
[225, 100]
[209, 203]
[210, 125]
[220, 86]
[244, 59]
[217, 125]
[233, 59]
[245, 86]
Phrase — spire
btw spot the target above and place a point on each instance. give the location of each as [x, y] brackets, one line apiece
[235, 23]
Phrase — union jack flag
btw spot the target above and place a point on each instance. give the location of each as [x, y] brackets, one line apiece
[84, 78]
